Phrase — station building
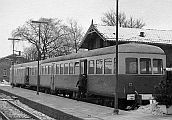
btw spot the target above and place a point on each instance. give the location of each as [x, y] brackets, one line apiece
[99, 36]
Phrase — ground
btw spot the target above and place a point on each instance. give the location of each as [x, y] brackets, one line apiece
[148, 112]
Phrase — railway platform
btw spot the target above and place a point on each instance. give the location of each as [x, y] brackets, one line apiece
[67, 109]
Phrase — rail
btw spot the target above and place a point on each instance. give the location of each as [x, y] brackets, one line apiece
[3, 116]
[24, 111]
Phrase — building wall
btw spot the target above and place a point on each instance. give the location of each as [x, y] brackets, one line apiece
[97, 42]
[5, 65]
[168, 51]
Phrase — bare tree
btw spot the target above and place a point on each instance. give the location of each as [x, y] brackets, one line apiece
[30, 53]
[109, 19]
[56, 39]
[50, 34]
[75, 35]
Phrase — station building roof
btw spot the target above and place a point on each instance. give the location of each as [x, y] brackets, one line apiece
[150, 36]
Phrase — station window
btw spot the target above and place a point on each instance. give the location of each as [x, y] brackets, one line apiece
[5, 73]
[131, 65]
[145, 66]
[76, 68]
[99, 66]
[61, 68]
[91, 67]
[108, 66]
[57, 69]
[66, 68]
[157, 66]
[70, 68]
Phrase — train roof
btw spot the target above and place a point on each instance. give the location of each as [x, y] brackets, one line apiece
[26, 64]
[122, 48]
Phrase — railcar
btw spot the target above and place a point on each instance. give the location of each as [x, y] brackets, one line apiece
[22, 74]
[141, 67]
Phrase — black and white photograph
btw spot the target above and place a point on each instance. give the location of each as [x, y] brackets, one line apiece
[85, 60]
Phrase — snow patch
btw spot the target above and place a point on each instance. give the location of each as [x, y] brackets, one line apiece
[154, 109]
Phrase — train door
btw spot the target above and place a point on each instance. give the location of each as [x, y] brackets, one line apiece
[169, 81]
[169, 75]
[82, 79]
[52, 77]
[27, 75]
[83, 66]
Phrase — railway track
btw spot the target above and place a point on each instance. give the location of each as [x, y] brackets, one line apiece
[11, 111]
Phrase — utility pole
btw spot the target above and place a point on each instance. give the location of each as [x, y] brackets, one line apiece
[116, 110]
[38, 76]
[13, 39]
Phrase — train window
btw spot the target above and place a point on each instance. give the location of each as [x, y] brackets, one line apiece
[157, 66]
[91, 67]
[35, 71]
[66, 68]
[99, 66]
[49, 69]
[29, 70]
[82, 68]
[108, 66]
[57, 69]
[76, 68]
[114, 66]
[61, 68]
[42, 69]
[145, 66]
[16, 72]
[131, 65]
[32, 71]
[70, 68]
[46, 69]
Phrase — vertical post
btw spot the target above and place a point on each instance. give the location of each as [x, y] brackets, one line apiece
[38, 76]
[116, 83]
[13, 67]
[13, 39]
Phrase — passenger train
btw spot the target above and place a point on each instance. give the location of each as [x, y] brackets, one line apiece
[141, 68]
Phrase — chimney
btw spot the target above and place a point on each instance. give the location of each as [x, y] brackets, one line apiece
[142, 34]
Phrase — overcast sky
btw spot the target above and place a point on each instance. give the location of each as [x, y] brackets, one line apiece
[157, 14]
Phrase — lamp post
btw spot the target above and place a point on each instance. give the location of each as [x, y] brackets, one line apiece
[116, 83]
[38, 77]
[13, 39]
